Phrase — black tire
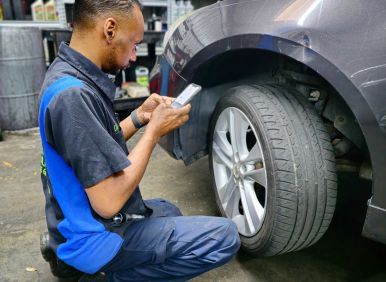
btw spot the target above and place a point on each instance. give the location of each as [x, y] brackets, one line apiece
[299, 163]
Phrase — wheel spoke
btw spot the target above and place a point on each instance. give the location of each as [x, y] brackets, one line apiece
[248, 211]
[257, 175]
[232, 130]
[221, 140]
[237, 130]
[255, 155]
[255, 208]
[226, 191]
[221, 157]
[231, 207]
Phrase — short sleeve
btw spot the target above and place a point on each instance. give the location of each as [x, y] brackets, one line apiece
[76, 129]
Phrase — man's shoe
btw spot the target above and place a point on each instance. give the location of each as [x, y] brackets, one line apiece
[58, 267]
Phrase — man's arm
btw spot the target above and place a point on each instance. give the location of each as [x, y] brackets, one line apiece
[108, 196]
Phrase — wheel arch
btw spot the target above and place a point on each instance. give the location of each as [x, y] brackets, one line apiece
[196, 132]
[240, 54]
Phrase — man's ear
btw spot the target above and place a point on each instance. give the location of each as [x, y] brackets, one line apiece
[110, 29]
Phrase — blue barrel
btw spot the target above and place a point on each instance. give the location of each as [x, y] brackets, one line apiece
[22, 70]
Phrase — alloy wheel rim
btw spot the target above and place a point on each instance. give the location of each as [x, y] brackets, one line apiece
[239, 171]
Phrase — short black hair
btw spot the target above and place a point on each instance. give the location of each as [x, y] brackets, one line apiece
[86, 11]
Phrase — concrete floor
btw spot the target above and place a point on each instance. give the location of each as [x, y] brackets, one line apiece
[341, 255]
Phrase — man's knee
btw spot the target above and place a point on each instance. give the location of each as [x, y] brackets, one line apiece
[216, 242]
[173, 210]
[163, 208]
[233, 236]
[228, 237]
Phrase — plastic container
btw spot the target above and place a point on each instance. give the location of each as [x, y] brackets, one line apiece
[50, 11]
[1, 12]
[188, 7]
[158, 25]
[142, 76]
[135, 90]
[22, 73]
[37, 9]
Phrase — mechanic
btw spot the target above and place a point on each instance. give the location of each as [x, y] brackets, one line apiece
[96, 217]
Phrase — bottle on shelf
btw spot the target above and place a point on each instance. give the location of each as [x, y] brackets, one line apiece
[150, 22]
[188, 7]
[37, 9]
[180, 8]
[174, 11]
[50, 11]
[154, 23]
[1, 18]
[158, 24]
[142, 75]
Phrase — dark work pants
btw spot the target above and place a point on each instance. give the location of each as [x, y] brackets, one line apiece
[170, 247]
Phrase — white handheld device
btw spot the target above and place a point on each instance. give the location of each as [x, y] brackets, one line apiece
[184, 98]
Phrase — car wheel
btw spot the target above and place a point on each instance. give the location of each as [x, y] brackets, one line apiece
[273, 168]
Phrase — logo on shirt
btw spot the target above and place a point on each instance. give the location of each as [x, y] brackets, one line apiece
[116, 128]
[43, 167]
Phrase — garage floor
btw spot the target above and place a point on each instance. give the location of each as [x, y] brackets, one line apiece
[341, 255]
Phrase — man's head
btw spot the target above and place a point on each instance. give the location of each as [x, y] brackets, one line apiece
[112, 28]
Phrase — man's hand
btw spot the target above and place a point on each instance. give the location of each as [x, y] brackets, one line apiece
[165, 119]
[108, 196]
[145, 111]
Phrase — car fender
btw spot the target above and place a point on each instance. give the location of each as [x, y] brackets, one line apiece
[346, 48]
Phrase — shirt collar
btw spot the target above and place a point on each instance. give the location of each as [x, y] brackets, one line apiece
[87, 68]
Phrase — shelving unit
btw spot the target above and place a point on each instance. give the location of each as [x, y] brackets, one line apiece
[145, 3]
[62, 23]
[155, 3]
[60, 30]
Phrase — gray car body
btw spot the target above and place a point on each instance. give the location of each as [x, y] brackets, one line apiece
[343, 41]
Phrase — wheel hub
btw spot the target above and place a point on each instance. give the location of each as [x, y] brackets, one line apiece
[236, 171]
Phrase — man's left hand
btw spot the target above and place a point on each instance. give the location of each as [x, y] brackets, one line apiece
[146, 109]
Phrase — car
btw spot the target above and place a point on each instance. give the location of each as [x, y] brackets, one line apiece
[291, 91]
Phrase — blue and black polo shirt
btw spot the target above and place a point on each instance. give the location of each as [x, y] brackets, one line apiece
[82, 145]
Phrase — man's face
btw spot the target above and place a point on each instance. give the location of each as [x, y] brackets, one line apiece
[122, 48]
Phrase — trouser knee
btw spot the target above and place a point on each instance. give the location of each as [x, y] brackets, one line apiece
[228, 237]
[232, 236]
[162, 208]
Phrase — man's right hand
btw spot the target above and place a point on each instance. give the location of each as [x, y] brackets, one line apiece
[165, 119]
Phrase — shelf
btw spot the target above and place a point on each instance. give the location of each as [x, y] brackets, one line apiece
[145, 3]
[128, 103]
[144, 52]
[151, 36]
[41, 25]
[154, 3]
